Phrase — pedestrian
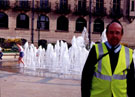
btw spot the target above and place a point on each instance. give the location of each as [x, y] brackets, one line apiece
[1, 53]
[109, 68]
[21, 53]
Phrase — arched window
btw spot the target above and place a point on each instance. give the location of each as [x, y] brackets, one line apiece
[62, 23]
[3, 20]
[44, 3]
[98, 26]
[81, 4]
[43, 22]
[132, 5]
[116, 6]
[80, 24]
[22, 21]
[63, 2]
[99, 4]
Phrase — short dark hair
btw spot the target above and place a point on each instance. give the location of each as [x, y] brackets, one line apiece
[114, 21]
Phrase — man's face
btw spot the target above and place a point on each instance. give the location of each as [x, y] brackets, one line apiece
[114, 34]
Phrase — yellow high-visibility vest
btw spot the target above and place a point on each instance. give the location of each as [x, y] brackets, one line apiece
[104, 83]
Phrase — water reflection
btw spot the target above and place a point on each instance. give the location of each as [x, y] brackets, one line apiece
[11, 66]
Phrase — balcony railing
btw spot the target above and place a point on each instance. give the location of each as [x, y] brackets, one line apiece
[4, 5]
[43, 7]
[22, 6]
[81, 10]
[63, 8]
[99, 11]
[117, 13]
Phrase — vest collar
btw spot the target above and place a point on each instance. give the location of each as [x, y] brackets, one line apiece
[117, 47]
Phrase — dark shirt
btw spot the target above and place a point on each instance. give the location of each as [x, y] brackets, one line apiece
[89, 69]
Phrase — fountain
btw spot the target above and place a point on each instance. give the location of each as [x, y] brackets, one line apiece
[58, 60]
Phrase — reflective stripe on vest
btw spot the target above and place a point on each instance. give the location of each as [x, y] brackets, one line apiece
[114, 76]
[106, 77]
[100, 54]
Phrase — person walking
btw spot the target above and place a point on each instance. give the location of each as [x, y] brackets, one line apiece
[109, 68]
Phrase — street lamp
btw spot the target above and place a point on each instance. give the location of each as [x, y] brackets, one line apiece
[32, 23]
[89, 22]
[38, 26]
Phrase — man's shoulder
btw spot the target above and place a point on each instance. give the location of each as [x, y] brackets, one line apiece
[127, 47]
[99, 43]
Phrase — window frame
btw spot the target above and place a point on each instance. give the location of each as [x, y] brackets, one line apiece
[4, 23]
[43, 22]
[78, 27]
[98, 26]
[22, 24]
[62, 24]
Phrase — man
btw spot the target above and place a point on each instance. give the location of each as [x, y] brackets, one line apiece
[109, 69]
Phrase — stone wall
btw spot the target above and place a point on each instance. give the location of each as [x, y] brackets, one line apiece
[52, 35]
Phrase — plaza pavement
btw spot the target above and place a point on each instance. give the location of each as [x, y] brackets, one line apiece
[13, 84]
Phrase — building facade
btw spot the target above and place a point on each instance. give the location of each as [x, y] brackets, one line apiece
[53, 20]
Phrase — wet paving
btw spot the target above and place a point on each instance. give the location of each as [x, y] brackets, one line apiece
[9, 66]
[12, 66]
[21, 82]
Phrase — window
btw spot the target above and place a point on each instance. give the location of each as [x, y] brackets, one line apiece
[44, 3]
[62, 23]
[81, 4]
[98, 26]
[43, 22]
[3, 3]
[3, 20]
[63, 4]
[80, 24]
[23, 3]
[99, 4]
[116, 6]
[22, 21]
[132, 6]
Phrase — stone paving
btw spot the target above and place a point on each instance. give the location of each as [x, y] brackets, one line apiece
[21, 85]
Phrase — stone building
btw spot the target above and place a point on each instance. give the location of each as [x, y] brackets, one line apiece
[53, 20]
